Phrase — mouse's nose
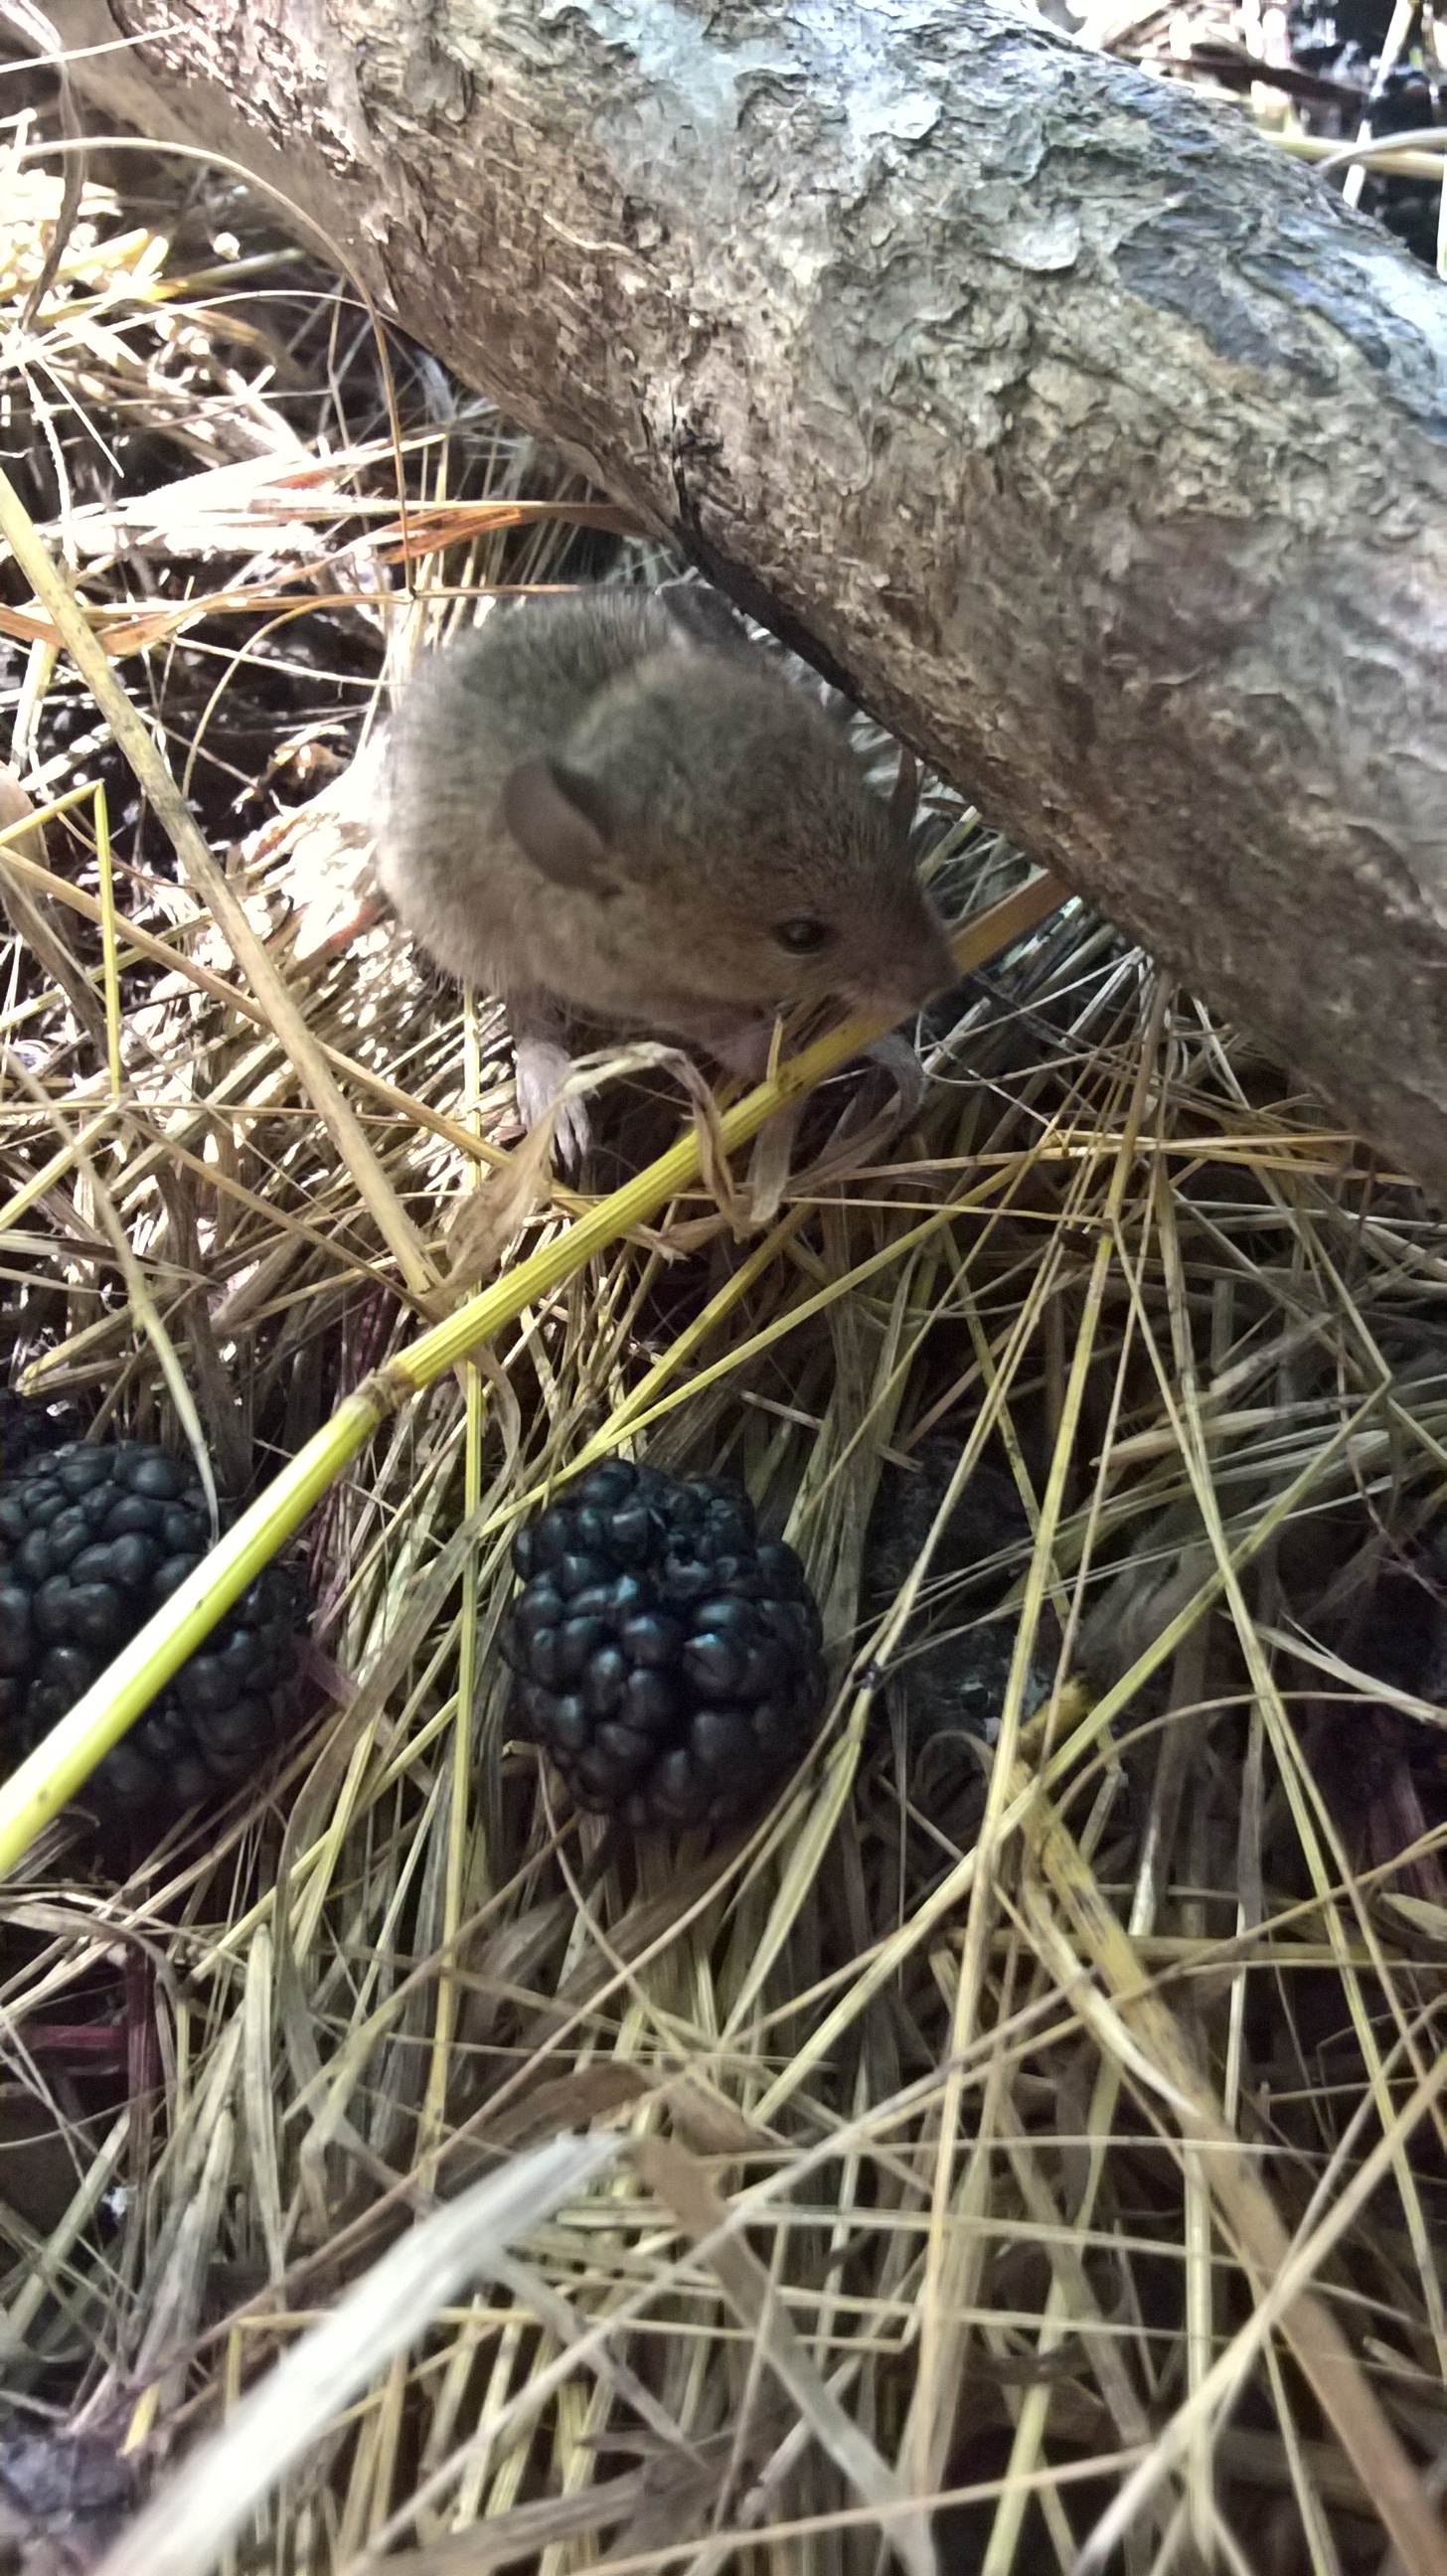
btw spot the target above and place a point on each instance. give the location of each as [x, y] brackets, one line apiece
[905, 981]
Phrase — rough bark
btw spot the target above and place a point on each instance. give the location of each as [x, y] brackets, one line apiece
[1083, 434]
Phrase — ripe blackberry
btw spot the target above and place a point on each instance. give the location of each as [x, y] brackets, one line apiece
[93, 1538]
[667, 1657]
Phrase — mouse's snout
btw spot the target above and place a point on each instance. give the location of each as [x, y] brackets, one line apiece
[902, 973]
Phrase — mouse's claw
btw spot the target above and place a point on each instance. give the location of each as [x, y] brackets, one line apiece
[572, 1134]
[542, 1069]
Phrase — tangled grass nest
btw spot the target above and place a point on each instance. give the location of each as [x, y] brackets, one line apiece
[1023, 2147]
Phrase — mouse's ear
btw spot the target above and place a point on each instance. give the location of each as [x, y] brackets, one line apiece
[561, 817]
[704, 621]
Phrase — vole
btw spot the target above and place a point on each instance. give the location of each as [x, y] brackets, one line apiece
[615, 804]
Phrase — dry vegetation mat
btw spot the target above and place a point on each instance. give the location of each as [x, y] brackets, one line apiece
[1020, 2147]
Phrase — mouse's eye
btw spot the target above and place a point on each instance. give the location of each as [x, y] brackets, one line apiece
[804, 938]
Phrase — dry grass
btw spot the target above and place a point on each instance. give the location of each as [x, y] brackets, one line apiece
[1040, 2106]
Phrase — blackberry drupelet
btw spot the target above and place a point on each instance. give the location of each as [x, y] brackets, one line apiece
[93, 1538]
[666, 1657]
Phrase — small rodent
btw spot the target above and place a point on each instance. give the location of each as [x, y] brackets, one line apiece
[616, 804]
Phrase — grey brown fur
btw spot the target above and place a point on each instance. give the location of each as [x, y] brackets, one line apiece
[612, 804]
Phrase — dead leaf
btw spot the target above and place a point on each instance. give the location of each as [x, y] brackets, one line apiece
[709, 2124]
[493, 1215]
[569, 2102]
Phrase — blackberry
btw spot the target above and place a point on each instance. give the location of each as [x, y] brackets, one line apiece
[93, 1538]
[666, 1657]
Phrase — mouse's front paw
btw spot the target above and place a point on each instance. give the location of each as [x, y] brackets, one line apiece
[743, 1048]
[542, 1069]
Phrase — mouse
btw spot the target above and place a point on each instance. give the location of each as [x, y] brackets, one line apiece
[613, 805]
